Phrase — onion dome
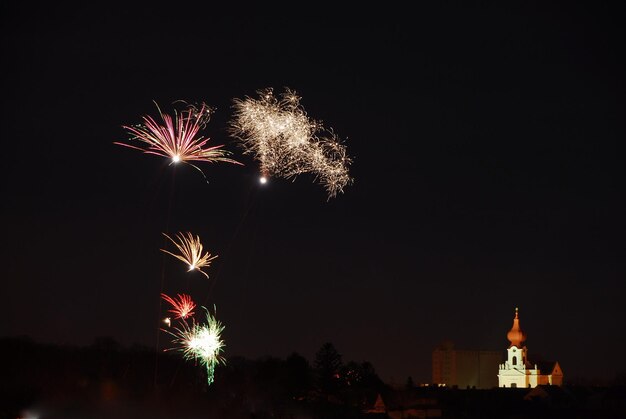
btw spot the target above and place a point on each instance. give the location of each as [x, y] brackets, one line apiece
[516, 336]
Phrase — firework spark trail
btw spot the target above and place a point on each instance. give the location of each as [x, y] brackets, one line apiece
[181, 307]
[178, 137]
[287, 143]
[201, 342]
[190, 252]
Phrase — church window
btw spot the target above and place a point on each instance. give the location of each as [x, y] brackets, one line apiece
[514, 360]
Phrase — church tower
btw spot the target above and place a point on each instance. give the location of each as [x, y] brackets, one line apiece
[517, 371]
[516, 352]
[514, 372]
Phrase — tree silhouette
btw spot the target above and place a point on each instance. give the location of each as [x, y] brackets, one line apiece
[299, 375]
[328, 364]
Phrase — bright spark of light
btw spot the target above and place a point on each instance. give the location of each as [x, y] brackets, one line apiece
[286, 142]
[178, 137]
[182, 307]
[263, 180]
[167, 321]
[190, 250]
[201, 342]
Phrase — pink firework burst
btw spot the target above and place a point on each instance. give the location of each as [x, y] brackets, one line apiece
[181, 307]
[178, 137]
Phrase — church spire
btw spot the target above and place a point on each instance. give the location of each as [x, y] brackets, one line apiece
[516, 336]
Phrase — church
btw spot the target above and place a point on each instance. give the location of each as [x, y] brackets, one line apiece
[518, 371]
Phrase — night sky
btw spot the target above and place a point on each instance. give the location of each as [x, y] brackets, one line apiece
[488, 165]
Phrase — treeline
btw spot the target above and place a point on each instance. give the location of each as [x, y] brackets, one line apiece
[106, 379]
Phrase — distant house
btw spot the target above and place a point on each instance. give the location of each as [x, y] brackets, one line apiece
[550, 394]
[464, 368]
[412, 404]
[379, 406]
[518, 371]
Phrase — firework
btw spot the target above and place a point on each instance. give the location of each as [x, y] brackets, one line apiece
[201, 342]
[181, 307]
[178, 137]
[190, 250]
[286, 142]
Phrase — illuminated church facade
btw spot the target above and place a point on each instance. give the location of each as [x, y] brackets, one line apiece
[518, 371]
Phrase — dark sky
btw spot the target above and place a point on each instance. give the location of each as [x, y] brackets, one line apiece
[488, 162]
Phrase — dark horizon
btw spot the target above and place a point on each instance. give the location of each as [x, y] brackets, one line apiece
[105, 380]
[487, 164]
